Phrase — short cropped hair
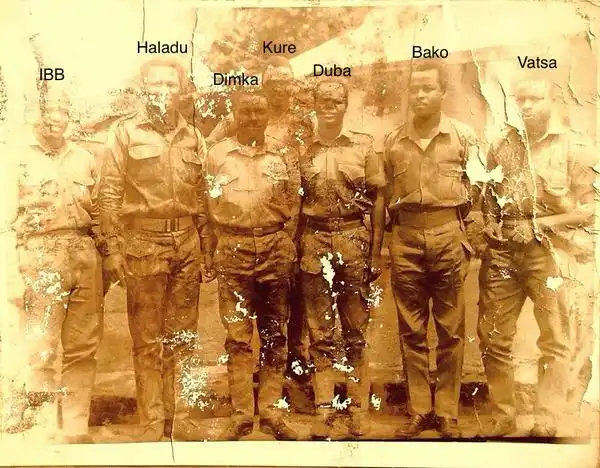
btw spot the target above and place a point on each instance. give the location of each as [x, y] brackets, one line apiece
[432, 64]
[164, 62]
[333, 81]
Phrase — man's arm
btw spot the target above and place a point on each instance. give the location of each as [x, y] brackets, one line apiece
[292, 162]
[375, 177]
[111, 188]
[225, 128]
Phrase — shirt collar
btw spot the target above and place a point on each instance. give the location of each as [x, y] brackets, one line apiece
[270, 146]
[444, 127]
[144, 119]
[555, 128]
[345, 135]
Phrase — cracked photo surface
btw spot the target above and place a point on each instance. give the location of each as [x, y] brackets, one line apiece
[310, 233]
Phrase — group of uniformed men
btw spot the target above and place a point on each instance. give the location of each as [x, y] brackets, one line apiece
[288, 213]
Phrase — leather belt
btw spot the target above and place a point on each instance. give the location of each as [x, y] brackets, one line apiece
[334, 224]
[516, 221]
[431, 218]
[254, 232]
[162, 225]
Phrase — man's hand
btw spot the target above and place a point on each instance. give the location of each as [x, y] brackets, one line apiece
[209, 270]
[493, 231]
[375, 267]
[116, 267]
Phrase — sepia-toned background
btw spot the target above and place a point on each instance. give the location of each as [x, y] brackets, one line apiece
[95, 43]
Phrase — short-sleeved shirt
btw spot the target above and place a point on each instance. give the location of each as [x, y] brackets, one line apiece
[433, 177]
[148, 174]
[56, 191]
[561, 162]
[340, 178]
[252, 187]
[552, 175]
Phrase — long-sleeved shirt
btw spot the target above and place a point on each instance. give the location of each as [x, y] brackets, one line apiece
[434, 177]
[251, 187]
[339, 179]
[149, 174]
[56, 191]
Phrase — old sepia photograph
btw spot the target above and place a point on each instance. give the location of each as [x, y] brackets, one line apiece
[313, 233]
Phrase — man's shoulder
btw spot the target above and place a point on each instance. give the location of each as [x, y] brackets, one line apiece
[462, 129]
[222, 147]
[360, 138]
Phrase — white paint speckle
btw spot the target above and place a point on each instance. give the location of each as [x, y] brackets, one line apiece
[376, 401]
[554, 282]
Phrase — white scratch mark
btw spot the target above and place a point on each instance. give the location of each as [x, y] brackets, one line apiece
[554, 282]
[376, 401]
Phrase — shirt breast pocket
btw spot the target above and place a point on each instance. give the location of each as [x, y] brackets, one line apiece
[275, 177]
[353, 173]
[191, 170]
[144, 163]
[450, 182]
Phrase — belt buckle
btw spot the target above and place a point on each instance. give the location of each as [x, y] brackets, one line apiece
[172, 225]
[258, 231]
[333, 224]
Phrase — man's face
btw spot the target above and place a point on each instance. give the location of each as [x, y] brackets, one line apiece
[252, 115]
[277, 83]
[162, 87]
[54, 122]
[330, 104]
[535, 104]
[425, 93]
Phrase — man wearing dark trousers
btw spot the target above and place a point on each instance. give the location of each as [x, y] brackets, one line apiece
[548, 188]
[342, 181]
[428, 197]
[152, 195]
[253, 203]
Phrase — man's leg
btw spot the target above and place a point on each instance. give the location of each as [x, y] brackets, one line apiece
[411, 295]
[448, 268]
[553, 341]
[237, 315]
[180, 333]
[146, 303]
[46, 298]
[81, 335]
[501, 298]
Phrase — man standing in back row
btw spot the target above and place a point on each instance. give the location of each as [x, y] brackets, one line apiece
[152, 194]
[428, 198]
[547, 181]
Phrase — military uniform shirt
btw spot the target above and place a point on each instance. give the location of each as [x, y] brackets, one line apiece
[56, 192]
[252, 187]
[147, 174]
[338, 180]
[434, 177]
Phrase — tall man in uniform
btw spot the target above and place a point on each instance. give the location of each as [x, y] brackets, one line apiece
[253, 202]
[547, 183]
[428, 197]
[342, 181]
[56, 230]
[152, 194]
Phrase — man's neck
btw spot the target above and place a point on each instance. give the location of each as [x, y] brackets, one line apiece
[165, 120]
[250, 140]
[329, 132]
[425, 127]
[536, 132]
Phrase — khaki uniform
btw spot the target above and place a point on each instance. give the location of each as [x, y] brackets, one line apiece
[428, 196]
[339, 183]
[547, 177]
[253, 202]
[152, 193]
[62, 275]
